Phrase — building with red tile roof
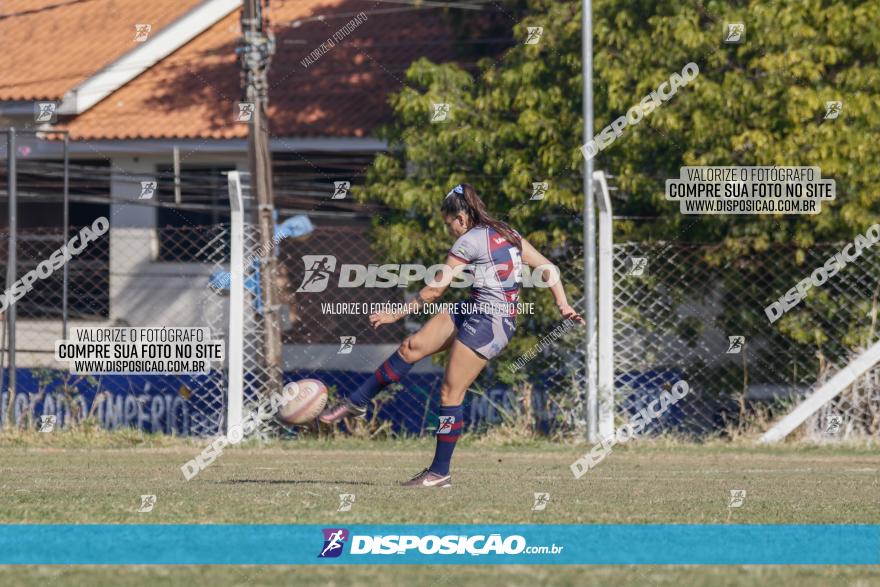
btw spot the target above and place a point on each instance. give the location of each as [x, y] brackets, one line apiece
[183, 80]
[134, 82]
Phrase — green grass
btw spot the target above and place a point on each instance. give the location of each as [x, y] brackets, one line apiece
[57, 480]
[412, 576]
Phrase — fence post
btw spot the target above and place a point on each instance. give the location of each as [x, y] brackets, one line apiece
[11, 268]
[606, 310]
[589, 410]
[235, 342]
[825, 393]
[66, 270]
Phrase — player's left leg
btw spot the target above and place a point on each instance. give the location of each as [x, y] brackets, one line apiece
[463, 368]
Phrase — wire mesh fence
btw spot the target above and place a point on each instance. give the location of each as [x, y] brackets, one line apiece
[691, 312]
[257, 374]
[343, 350]
[117, 280]
[327, 334]
[681, 312]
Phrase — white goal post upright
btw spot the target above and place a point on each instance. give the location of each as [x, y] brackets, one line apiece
[605, 408]
[235, 339]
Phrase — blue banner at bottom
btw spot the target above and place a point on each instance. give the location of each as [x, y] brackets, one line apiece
[661, 544]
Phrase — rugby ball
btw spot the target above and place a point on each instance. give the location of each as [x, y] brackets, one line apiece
[309, 398]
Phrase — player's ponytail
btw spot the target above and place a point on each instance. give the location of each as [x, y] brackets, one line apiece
[464, 198]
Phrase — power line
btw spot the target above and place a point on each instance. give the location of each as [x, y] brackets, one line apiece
[413, 5]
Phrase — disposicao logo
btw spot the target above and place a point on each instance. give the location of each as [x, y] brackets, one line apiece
[334, 540]
[432, 544]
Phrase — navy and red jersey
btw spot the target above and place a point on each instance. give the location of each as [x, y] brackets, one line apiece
[496, 266]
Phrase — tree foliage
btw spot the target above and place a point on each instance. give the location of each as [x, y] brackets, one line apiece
[761, 102]
[519, 121]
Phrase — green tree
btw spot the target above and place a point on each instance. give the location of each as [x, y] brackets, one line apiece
[518, 121]
[760, 102]
[512, 124]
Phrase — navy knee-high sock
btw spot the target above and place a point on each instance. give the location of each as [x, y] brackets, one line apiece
[391, 371]
[448, 431]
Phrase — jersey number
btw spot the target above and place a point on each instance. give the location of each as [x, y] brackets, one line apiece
[517, 264]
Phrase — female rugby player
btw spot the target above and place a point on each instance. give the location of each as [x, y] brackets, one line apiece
[474, 331]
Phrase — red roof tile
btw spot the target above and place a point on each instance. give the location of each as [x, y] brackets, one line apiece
[49, 46]
[194, 92]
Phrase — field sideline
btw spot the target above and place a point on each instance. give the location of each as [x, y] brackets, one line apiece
[300, 483]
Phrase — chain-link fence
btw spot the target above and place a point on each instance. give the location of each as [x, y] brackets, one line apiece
[342, 349]
[693, 312]
[327, 334]
[696, 312]
[118, 280]
[681, 312]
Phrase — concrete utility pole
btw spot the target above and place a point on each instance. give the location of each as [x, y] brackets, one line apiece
[256, 53]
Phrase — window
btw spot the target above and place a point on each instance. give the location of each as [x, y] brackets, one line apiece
[41, 232]
[187, 231]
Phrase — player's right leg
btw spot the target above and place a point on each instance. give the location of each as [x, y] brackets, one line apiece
[436, 335]
[463, 368]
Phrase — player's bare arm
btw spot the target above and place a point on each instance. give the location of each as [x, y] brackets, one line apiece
[548, 273]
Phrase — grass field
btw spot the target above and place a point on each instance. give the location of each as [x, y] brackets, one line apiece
[50, 481]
